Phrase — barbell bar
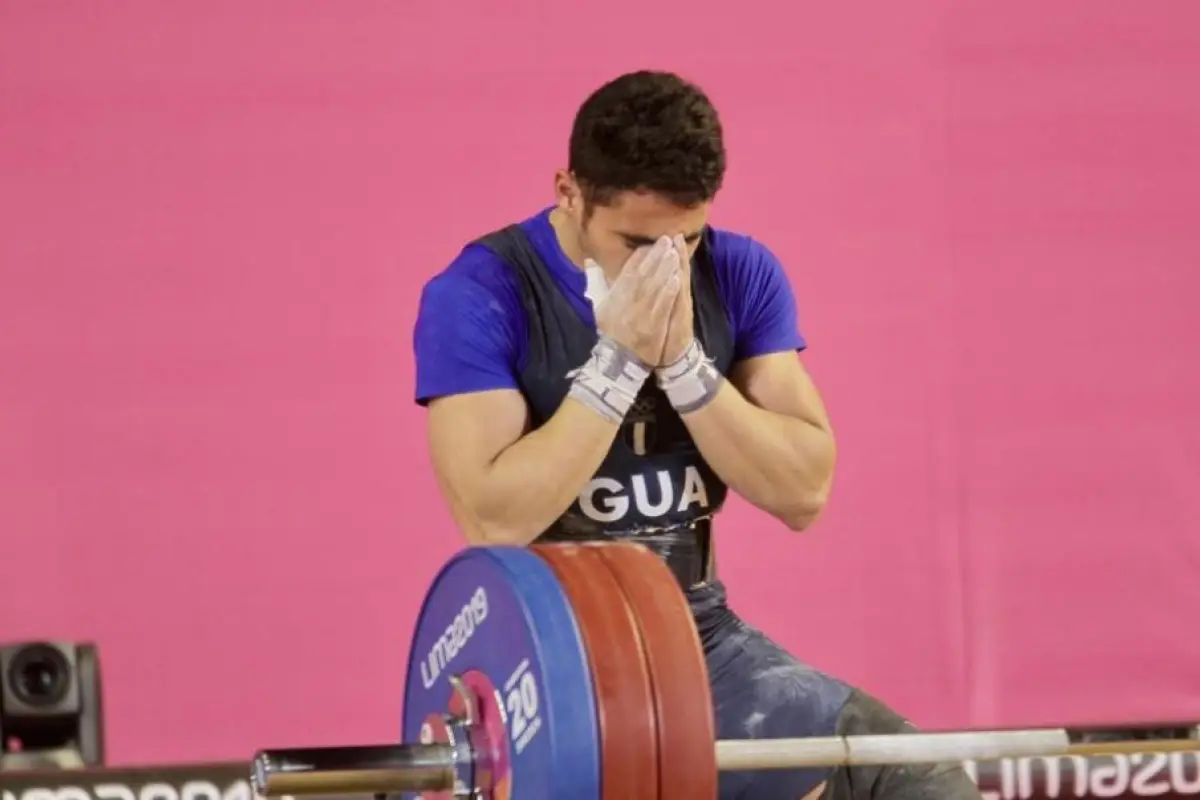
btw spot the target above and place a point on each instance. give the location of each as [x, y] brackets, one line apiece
[431, 767]
[576, 671]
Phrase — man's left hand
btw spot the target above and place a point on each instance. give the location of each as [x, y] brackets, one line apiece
[682, 330]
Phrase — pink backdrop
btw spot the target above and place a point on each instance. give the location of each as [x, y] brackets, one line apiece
[217, 217]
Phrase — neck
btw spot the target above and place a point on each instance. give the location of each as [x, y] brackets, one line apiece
[568, 238]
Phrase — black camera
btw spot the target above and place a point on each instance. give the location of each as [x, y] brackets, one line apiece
[50, 706]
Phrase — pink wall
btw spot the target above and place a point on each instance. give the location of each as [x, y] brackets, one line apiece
[217, 218]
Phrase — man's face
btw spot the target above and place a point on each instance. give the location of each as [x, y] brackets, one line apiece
[610, 233]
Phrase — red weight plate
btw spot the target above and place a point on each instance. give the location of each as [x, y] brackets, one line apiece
[678, 672]
[624, 697]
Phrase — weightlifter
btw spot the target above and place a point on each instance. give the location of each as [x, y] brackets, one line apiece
[609, 367]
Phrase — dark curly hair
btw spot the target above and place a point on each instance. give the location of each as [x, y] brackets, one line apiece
[648, 131]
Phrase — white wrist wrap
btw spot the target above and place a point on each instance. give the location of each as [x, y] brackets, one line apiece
[609, 381]
[691, 382]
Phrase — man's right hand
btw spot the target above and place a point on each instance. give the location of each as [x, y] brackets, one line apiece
[637, 311]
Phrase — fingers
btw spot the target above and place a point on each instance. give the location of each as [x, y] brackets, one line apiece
[685, 258]
[648, 272]
[636, 259]
[664, 279]
[668, 256]
[643, 260]
[638, 265]
[658, 253]
[665, 299]
[664, 284]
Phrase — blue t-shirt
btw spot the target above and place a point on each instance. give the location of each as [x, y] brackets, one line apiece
[471, 332]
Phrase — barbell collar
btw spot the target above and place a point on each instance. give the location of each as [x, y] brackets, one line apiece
[378, 769]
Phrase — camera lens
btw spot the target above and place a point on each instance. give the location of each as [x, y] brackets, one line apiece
[38, 675]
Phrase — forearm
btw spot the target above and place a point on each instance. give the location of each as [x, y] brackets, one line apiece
[532, 482]
[781, 464]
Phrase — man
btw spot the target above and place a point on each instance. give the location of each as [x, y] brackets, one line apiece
[609, 366]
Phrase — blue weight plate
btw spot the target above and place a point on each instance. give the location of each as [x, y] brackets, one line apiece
[498, 617]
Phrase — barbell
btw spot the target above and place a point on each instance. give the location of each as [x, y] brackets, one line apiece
[575, 670]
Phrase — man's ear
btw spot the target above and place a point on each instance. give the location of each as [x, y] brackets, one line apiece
[567, 195]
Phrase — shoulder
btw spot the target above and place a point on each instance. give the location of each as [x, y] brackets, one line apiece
[741, 261]
[757, 294]
[476, 280]
[478, 274]
[749, 275]
[731, 247]
[470, 329]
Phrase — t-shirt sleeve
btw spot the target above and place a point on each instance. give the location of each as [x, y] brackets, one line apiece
[761, 303]
[467, 334]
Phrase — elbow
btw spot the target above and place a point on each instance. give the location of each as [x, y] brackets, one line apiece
[485, 532]
[805, 504]
[810, 495]
[487, 523]
[801, 514]
[496, 536]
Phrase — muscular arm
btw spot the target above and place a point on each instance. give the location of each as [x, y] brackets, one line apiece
[504, 483]
[767, 435]
[506, 486]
